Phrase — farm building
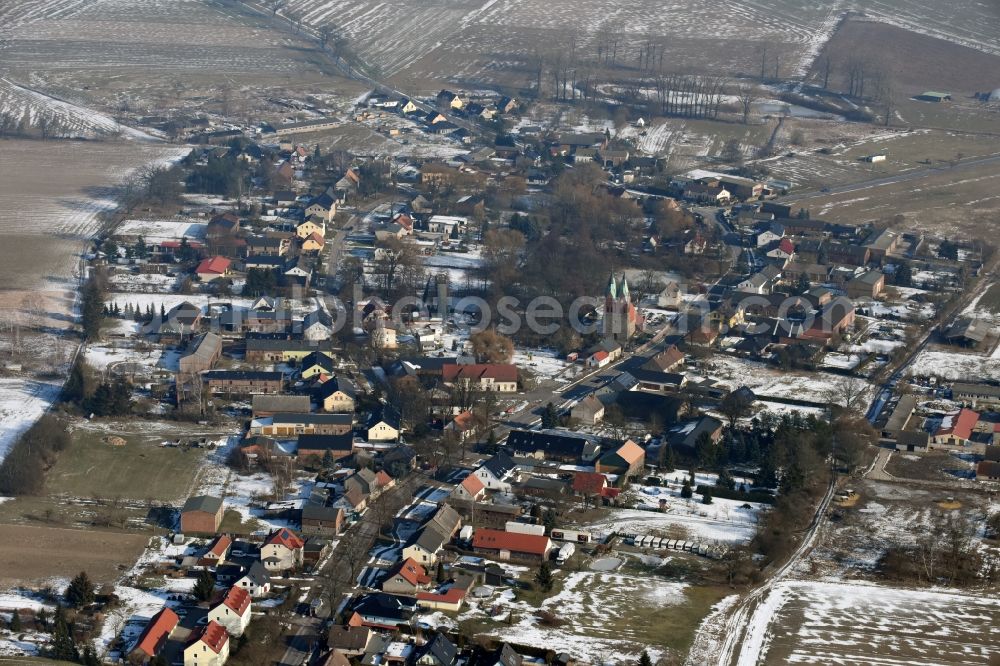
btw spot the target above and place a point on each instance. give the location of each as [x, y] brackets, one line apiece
[977, 395]
[201, 514]
[967, 332]
[154, 636]
[201, 355]
[511, 545]
[934, 96]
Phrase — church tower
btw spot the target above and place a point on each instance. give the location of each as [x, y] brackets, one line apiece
[620, 316]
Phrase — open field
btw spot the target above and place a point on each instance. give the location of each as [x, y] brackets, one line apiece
[142, 469]
[915, 63]
[59, 190]
[603, 616]
[833, 623]
[491, 41]
[30, 554]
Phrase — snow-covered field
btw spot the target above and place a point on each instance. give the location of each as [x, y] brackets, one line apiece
[22, 402]
[586, 599]
[809, 622]
[769, 382]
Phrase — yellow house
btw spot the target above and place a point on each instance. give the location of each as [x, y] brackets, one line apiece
[311, 225]
[316, 363]
[337, 395]
[314, 242]
[208, 646]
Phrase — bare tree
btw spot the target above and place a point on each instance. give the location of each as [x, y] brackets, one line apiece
[276, 5]
[746, 96]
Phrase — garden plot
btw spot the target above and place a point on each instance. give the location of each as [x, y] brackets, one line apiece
[954, 365]
[602, 617]
[156, 231]
[768, 382]
[722, 523]
[819, 622]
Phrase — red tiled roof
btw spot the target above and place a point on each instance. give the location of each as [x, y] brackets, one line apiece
[601, 355]
[219, 546]
[314, 236]
[382, 479]
[214, 266]
[452, 595]
[172, 244]
[473, 485]
[237, 599]
[412, 572]
[590, 483]
[786, 246]
[287, 538]
[501, 372]
[214, 635]
[155, 634]
[960, 425]
[512, 541]
[463, 421]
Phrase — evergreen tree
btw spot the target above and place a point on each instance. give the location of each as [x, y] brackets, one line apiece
[686, 490]
[15, 621]
[80, 591]
[90, 657]
[550, 418]
[42, 617]
[544, 577]
[204, 587]
[328, 461]
[63, 647]
[163, 312]
[667, 457]
[706, 496]
[76, 384]
[441, 576]
[644, 659]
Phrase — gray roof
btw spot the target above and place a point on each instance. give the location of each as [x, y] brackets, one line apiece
[983, 390]
[205, 347]
[281, 403]
[901, 414]
[205, 503]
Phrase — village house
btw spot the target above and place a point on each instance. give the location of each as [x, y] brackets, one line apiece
[626, 461]
[213, 268]
[471, 489]
[323, 206]
[201, 514]
[207, 646]
[337, 394]
[406, 577]
[282, 550]
[589, 410]
[153, 637]
[268, 350]
[320, 519]
[256, 581]
[216, 551]
[316, 363]
[593, 488]
[268, 246]
[232, 611]
[384, 424]
[496, 472]
[500, 377]
[866, 285]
